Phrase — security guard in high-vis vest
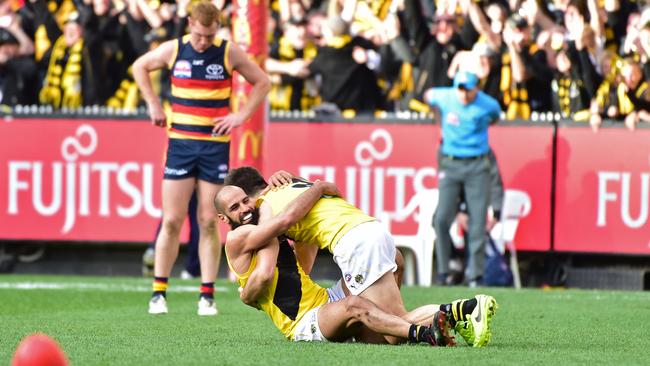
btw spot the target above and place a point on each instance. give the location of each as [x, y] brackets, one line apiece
[199, 137]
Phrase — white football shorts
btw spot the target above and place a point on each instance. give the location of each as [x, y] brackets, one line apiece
[364, 254]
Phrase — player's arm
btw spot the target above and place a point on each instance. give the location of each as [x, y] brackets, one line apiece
[239, 61]
[240, 259]
[292, 213]
[262, 276]
[265, 235]
[153, 60]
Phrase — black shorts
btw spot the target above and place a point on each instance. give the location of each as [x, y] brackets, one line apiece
[205, 160]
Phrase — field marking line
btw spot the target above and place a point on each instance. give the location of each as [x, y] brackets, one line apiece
[86, 286]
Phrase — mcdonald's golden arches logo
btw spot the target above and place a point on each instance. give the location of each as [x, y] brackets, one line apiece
[255, 138]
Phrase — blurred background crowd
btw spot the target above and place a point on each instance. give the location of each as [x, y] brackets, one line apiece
[578, 59]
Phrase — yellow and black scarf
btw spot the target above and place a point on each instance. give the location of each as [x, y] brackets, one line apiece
[61, 11]
[127, 96]
[515, 95]
[62, 84]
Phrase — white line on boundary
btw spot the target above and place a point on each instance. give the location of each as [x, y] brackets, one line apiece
[81, 286]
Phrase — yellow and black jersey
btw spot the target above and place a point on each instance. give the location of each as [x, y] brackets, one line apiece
[201, 88]
[292, 293]
[325, 223]
[292, 93]
[515, 94]
[570, 98]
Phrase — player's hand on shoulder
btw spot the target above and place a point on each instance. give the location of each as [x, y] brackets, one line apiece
[328, 188]
[280, 178]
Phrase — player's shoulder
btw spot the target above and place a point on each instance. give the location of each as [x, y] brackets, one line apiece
[237, 237]
[165, 50]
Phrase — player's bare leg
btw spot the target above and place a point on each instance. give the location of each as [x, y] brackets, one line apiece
[176, 196]
[175, 199]
[209, 245]
[341, 320]
[399, 273]
[386, 295]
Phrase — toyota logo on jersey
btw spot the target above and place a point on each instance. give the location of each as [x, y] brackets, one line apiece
[214, 71]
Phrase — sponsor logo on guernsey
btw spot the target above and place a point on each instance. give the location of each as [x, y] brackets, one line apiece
[182, 69]
[197, 62]
[214, 72]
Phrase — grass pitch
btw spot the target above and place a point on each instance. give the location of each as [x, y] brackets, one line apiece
[104, 321]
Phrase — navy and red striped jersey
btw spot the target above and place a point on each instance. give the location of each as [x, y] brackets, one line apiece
[201, 88]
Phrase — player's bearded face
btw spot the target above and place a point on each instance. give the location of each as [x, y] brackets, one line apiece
[245, 218]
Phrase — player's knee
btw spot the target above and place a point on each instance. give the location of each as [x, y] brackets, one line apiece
[208, 225]
[356, 306]
[172, 224]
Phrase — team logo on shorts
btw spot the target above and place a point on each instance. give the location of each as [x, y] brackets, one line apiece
[182, 69]
[348, 277]
[359, 279]
[313, 329]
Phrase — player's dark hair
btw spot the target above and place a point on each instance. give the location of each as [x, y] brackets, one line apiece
[246, 178]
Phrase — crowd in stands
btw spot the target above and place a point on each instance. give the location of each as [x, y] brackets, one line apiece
[585, 60]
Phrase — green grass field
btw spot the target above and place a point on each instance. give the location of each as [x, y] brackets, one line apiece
[104, 321]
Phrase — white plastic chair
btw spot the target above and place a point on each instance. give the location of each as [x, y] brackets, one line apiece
[516, 205]
[421, 243]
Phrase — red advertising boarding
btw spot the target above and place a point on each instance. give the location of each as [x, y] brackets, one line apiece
[603, 185]
[80, 179]
[379, 167]
[525, 156]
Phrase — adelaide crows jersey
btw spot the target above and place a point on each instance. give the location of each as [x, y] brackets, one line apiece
[201, 87]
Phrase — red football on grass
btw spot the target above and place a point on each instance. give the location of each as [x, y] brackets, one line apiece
[39, 350]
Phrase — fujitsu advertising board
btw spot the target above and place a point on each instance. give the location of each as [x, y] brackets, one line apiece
[95, 180]
[380, 167]
[603, 191]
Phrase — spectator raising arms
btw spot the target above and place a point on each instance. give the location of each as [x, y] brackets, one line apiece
[345, 82]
